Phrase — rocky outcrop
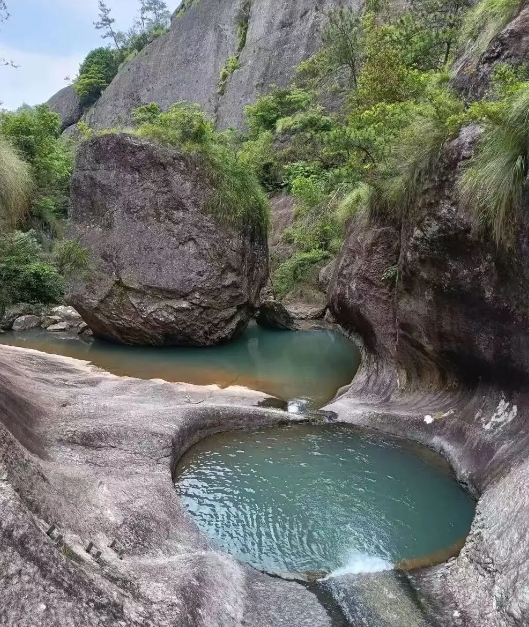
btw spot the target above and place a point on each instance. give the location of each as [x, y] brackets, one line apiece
[443, 317]
[93, 454]
[164, 269]
[67, 105]
[25, 316]
[185, 64]
[273, 315]
[511, 46]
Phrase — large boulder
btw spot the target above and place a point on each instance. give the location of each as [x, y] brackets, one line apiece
[164, 270]
[67, 105]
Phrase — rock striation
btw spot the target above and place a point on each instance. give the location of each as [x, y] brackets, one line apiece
[164, 270]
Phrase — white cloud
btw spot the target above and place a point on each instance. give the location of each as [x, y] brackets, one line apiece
[36, 79]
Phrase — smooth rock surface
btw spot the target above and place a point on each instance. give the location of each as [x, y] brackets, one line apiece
[380, 599]
[446, 363]
[23, 323]
[94, 454]
[165, 270]
[67, 105]
[185, 64]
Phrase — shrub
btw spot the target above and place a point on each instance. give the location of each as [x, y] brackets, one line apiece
[296, 270]
[70, 258]
[36, 134]
[415, 155]
[232, 64]
[95, 74]
[493, 182]
[355, 202]
[279, 103]
[258, 155]
[238, 200]
[24, 276]
[15, 186]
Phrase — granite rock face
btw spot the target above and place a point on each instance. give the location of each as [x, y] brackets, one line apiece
[67, 105]
[94, 454]
[185, 64]
[434, 296]
[165, 271]
[443, 317]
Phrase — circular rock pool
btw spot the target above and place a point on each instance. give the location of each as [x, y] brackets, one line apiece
[304, 499]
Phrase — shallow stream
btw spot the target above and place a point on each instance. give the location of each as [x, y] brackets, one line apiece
[289, 365]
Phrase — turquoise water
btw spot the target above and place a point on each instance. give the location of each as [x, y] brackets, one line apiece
[307, 498]
[286, 364]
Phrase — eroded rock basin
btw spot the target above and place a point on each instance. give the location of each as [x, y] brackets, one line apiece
[288, 365]
[303, 499]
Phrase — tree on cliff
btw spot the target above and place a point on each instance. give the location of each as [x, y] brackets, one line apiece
[106, 24]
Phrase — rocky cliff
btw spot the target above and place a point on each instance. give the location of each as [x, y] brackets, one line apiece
[185, 64]
[443, 317]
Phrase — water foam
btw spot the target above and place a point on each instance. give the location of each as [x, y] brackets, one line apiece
[358, 563]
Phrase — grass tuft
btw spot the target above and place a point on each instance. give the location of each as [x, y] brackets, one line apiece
[15, 186]
[484, 22]
[493, 183]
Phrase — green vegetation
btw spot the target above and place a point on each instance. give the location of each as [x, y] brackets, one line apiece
[238, 200]
[484, 21]
[24, 275]
[95, 74]
[35, 169]
[15, 186]
[243, 22]
[35, 134]
[232, 64]
[493, 183]
[377, 153]
[102, 64]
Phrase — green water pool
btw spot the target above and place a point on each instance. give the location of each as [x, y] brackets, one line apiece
[304, 498]
[308, 365]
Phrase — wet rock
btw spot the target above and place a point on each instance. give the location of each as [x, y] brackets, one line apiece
[25, 323]
[167, 272]
[443, 316]
[273, 315]
[102, 449]
[382, 599]
[61, 326]
[66, 313]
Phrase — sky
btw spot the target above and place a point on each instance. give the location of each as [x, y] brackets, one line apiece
[47, 40]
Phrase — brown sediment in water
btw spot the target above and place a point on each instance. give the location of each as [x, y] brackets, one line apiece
[432, 559]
